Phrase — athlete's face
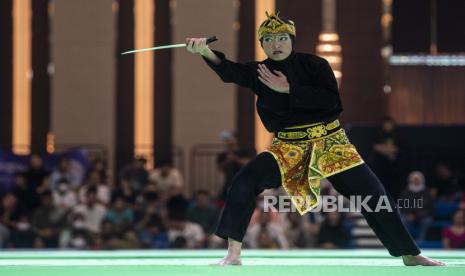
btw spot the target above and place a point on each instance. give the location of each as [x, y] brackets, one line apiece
[277, 47]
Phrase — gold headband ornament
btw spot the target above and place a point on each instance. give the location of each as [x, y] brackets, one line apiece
[274, 25]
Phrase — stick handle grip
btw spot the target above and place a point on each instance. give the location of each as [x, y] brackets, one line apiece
[211, 39]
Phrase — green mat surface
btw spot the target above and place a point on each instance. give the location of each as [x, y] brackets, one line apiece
[189, 262]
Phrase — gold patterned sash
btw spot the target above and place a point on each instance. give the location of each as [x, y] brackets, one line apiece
[304, 161]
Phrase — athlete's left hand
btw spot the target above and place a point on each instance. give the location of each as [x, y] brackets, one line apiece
[277, 81]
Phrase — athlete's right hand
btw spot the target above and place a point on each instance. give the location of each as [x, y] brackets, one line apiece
[197, 45]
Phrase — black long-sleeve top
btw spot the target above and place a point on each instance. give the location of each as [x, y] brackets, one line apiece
[313, 93]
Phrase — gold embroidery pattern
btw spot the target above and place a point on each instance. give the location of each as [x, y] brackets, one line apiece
[304, 163]
[274, 25]
[334, 124]
[313, 131]
[292, 135]
[316, 132]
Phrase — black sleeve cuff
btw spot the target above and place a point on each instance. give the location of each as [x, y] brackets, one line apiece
[217, 67]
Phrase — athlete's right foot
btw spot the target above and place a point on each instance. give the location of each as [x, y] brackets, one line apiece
[410, 260]
[229, 260]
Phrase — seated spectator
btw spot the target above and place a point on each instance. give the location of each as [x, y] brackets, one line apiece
[203, 212]
[264, 241]
[126, 240]
[448, 185]
[48, 221]
[231, 160]
[22, 236]
[27, 195]
[168, 179]
[136, 175]
[333, 234]
[79, 240]
[63, 171]
[183, 233]
[120, 214]
[100, 166]
[274, 215]
[124, 190]
[37, 178]
[154, 235]
[95, 181]
[78, 221]
[108, 232]
[179, 243]
[149, 207]
[462, 201]
[266, 232]
[96, 242]
[454, 236]
[38, 243]
[131, 241]
[299, 232]
[416, 205]
[92, 212]
[178, 205]
[9, 216]
[64, 197]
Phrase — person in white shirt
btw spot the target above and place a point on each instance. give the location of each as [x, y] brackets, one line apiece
[190, 232]
[168, 179]
[92, 212]
[63, 170]
[64, 197]
[274, 231]
[103, 191]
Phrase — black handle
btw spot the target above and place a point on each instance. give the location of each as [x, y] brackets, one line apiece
[211, 39]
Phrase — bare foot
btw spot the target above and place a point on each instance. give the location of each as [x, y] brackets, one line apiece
[410, 260]
[229, 260]
[234, 254]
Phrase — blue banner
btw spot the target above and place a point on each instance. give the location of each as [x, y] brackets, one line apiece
[11, 164]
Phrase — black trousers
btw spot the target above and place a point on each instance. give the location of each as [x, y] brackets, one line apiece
[263, 173]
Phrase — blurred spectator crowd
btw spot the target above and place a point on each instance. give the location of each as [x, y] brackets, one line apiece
[151, 208]
[431, 203]
[145, 209]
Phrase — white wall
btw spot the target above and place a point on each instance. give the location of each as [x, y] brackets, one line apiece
[203, 104]
[83, 94]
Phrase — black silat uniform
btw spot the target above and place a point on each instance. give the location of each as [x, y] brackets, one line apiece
[313, 97]
[313, 94]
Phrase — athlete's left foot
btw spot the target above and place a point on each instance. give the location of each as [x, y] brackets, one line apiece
[229, 260]
[410, 260]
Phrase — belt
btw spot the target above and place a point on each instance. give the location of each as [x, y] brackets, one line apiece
[309, 132]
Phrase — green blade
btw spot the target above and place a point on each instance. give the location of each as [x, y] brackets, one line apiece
[155, 48]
